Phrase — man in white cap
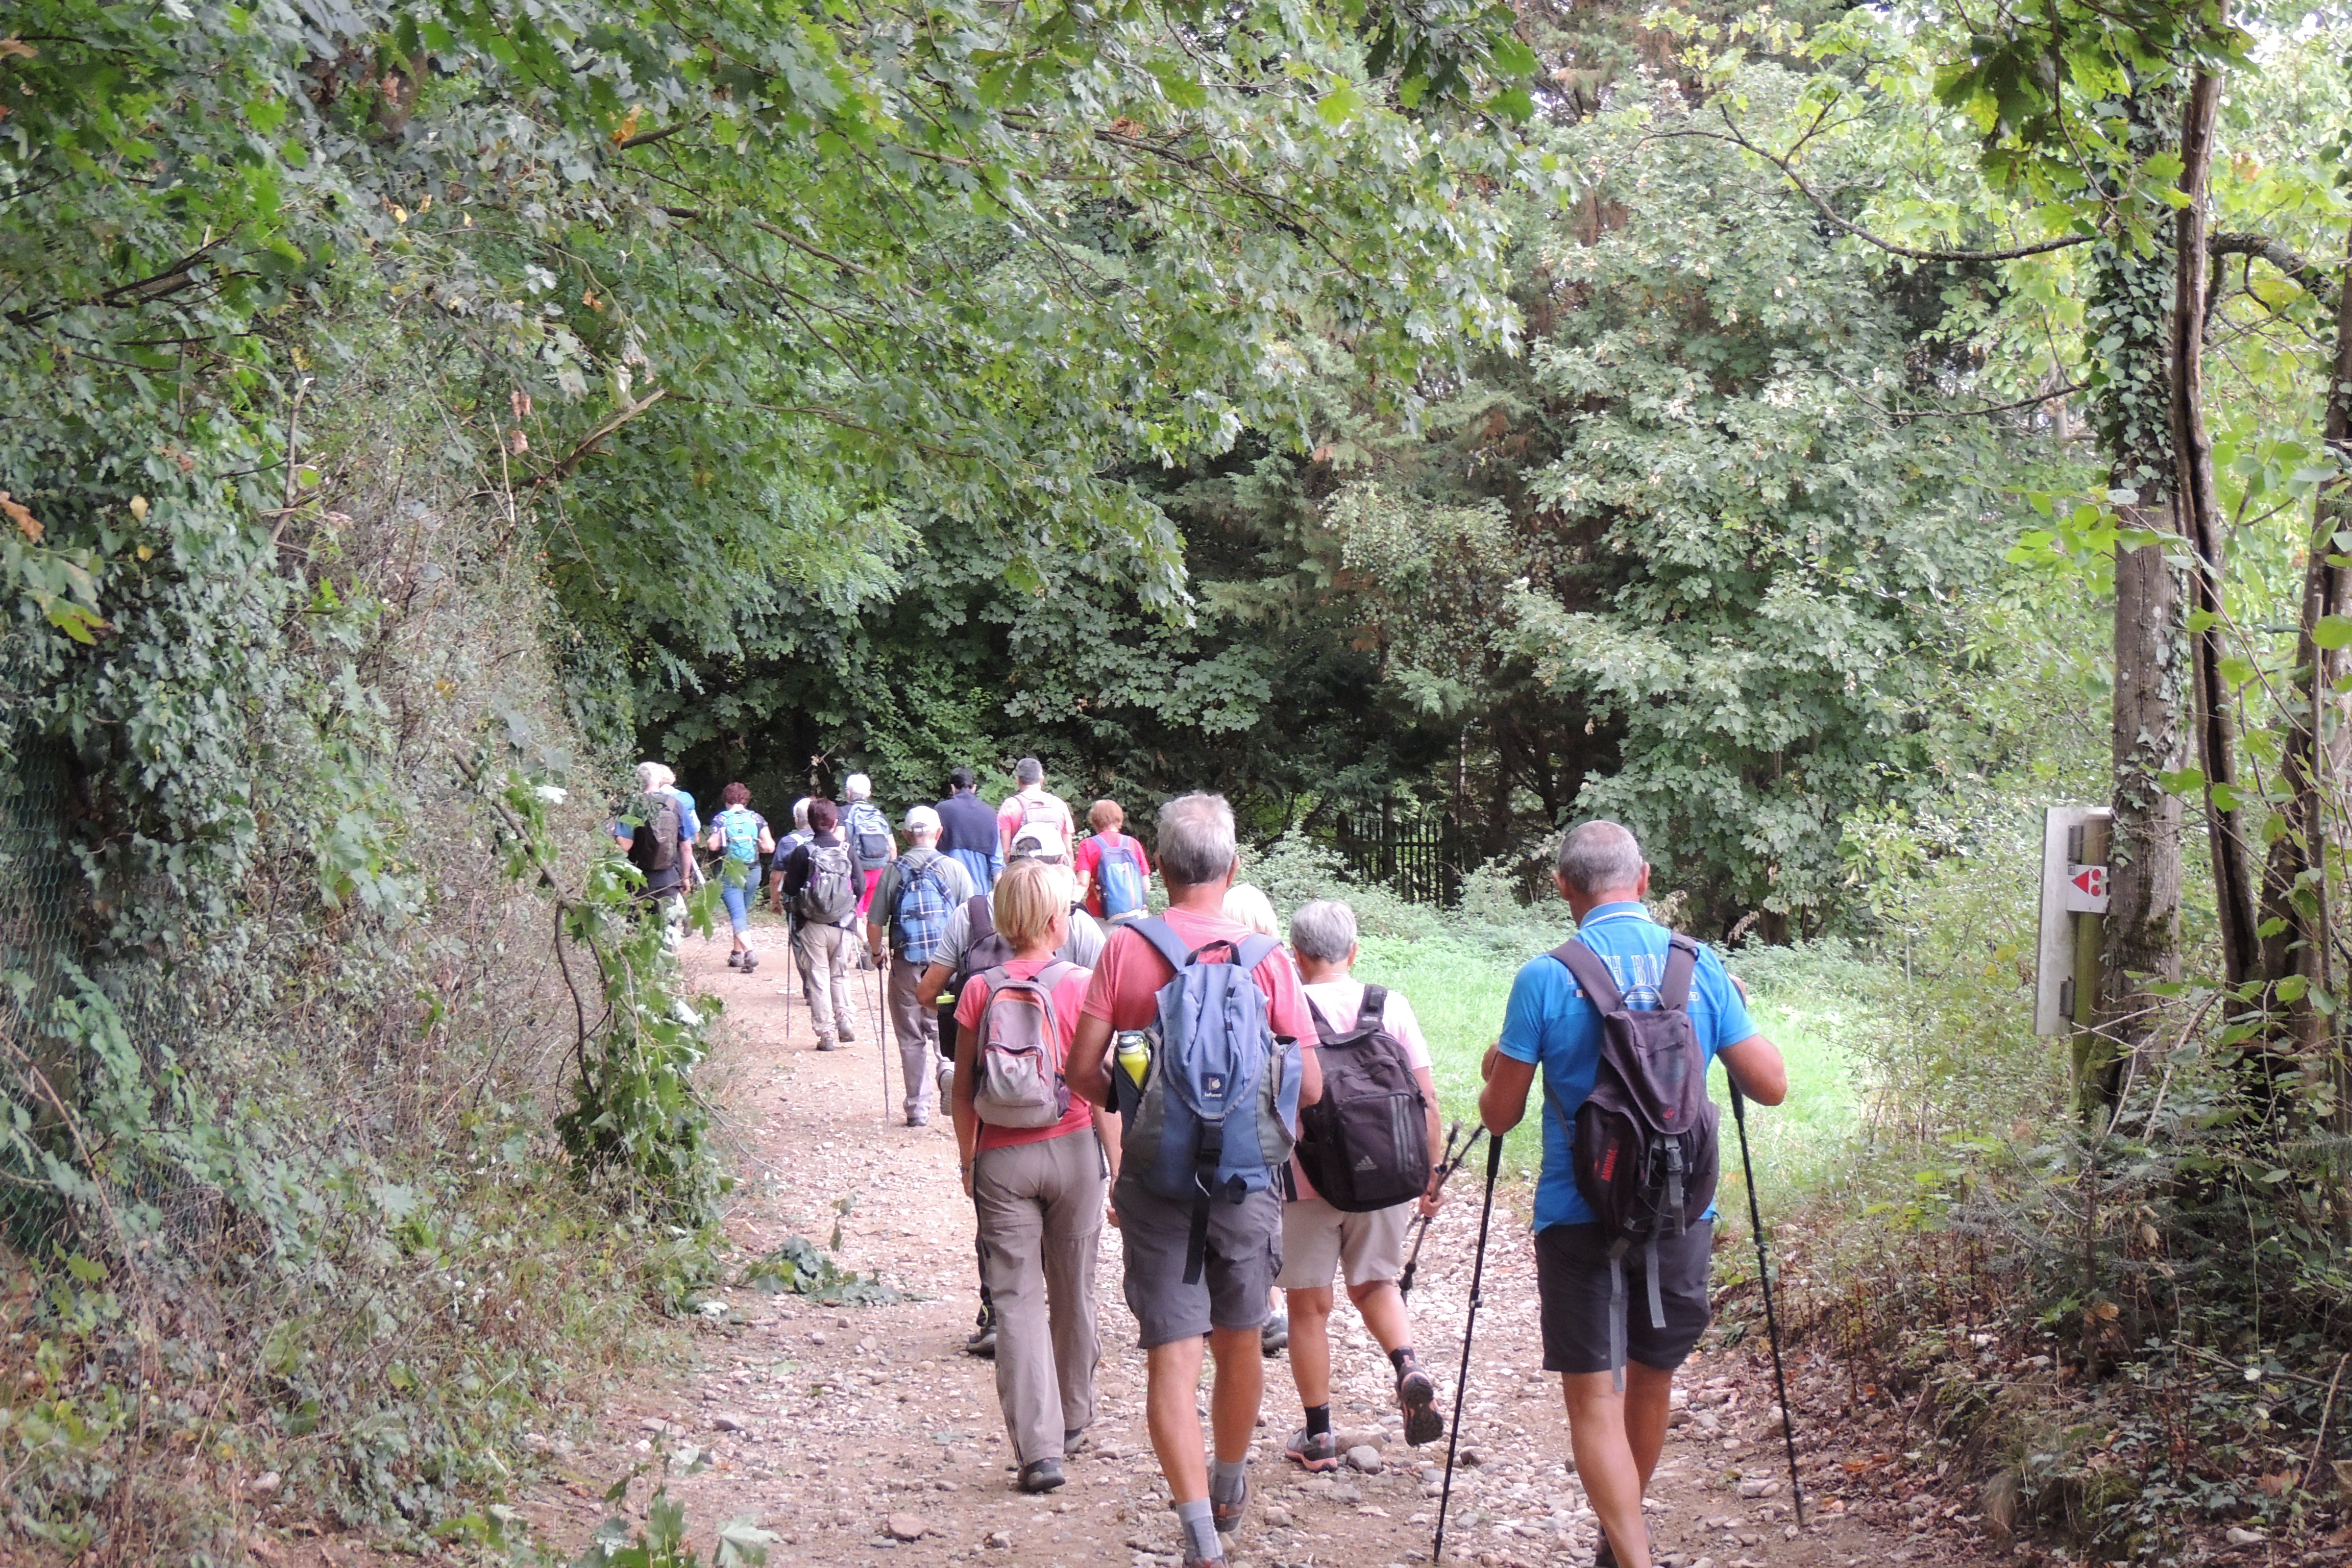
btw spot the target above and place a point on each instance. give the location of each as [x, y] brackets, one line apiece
[913, 897]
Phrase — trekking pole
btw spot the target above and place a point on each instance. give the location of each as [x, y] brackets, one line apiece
[1764, 1278]
[1469, 1323]
[1456, 1152]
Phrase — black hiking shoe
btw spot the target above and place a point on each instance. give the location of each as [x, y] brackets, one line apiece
[1417, 1397]
[1041, 1475]
[983, 1342]
[734, 961]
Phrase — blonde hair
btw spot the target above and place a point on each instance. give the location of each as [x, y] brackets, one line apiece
[1246, 906]
[1027, 897]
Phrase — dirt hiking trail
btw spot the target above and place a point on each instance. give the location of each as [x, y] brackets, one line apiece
[863, 1434]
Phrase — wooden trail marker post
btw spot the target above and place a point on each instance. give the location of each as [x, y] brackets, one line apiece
[2068, 971]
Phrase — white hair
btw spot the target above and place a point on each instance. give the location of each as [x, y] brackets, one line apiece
[1248, 906]
[858, 786]
[800, 811]
[652, 777]
[1324, 931]
[1600, 857]
[1196, 839]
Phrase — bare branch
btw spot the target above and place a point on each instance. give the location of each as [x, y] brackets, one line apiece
[579, 453]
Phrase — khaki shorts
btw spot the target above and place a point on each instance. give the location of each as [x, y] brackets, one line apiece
[1318, 1241]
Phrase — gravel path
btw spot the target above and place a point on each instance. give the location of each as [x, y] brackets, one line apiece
[863, 1434]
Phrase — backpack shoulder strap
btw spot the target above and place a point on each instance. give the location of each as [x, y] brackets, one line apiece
[1682, 961]
[1254, 950]
[1323, 1029]
[1164, 941]
[1593, 974]
[1375, 1006]
[982, 919]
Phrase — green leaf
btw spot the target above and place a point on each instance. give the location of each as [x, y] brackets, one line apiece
[2291, 988]
[2236, 670]
[1512, 57]
[2331, 632]
[1340, 105]
[1182, 88]
[2189, 780]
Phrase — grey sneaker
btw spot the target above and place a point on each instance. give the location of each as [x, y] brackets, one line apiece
[1227, 1516]
[1319, 1451]
[1041, 1475]
[1273, 1337]
[750, 960]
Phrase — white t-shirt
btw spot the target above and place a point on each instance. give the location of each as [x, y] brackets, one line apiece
[1341, 1000]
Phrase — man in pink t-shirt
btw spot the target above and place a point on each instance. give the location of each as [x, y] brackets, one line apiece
[1222, 1311]
[1031, 806]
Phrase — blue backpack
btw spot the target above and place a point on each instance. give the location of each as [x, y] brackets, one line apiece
[923, 908]
[1213, 1116]
[1119, 873]
[742, 825]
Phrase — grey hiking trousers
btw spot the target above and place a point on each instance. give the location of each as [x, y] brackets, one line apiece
[1041, 1217]
[823, 953]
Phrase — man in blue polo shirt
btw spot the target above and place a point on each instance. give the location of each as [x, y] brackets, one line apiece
[1550, 1026]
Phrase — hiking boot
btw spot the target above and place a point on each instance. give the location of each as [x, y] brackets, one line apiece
[983, 1342]
[918, 1119]
[849, 1035]
[1227, 1516]
[1313, 1451]
[1074, 1441]
[1273, 1337]
[946, 1082]
[1417, 1396]
[750, 960]
[734, 961]
[1041, 1475]
[827, 1043]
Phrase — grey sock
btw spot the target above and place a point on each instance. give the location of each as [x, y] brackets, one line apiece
[1200, 1531]
[1227, 1482]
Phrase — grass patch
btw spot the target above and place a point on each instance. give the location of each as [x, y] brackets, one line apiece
[1458, 988]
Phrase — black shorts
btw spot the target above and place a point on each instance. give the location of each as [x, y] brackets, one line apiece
[1572, 1280]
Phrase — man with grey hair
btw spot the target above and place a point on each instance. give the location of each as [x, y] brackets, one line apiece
[1319, 1240]
[659, 842]
[1550, 1025]
[918, 891]
[1218, 1305]
[1032, 805]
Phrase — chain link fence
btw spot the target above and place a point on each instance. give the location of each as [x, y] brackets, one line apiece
[39, 908]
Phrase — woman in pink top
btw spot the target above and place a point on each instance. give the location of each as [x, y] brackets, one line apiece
[1039, 1190]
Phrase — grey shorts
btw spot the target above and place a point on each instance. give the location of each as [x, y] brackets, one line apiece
[1245, 1255]
[1572, 1279]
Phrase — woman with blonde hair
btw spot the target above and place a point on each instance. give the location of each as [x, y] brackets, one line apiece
[1037, 1181]
[1247, 905]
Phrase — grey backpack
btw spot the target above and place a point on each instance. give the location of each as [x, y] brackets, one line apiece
[1020, 1057]
[831, 891]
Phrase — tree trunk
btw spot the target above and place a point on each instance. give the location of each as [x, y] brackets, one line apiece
[2200, 515]
[2143, 923]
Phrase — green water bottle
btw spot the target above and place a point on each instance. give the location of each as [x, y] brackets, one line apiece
[1134, 1050]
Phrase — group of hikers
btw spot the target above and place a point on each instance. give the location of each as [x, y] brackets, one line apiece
[1255, 1121]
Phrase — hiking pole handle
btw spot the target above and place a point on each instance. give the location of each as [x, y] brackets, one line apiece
[1469, 1326]
[1764, 1279]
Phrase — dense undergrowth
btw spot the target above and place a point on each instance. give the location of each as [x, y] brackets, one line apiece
[348, 1143]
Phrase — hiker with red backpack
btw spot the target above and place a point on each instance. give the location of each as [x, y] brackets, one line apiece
[1213, 1059]
[1363, 1165]
[1621, 1021]
[1031, 805]
[908, 916]
[820, 884]
[1034, 1166]
[1114, 875]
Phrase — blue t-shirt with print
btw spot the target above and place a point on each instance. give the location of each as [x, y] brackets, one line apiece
[1549, 1024]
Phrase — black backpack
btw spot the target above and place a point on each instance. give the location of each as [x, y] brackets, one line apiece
[1365, 1144]
[1644, 1138]
[661, 854]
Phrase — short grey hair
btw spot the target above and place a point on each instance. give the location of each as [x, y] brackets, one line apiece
[1599, 857]
[1029, 771]
[652, 777]
[858, 786]
[1196, 839]
[800, 811]
[1324, 931]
